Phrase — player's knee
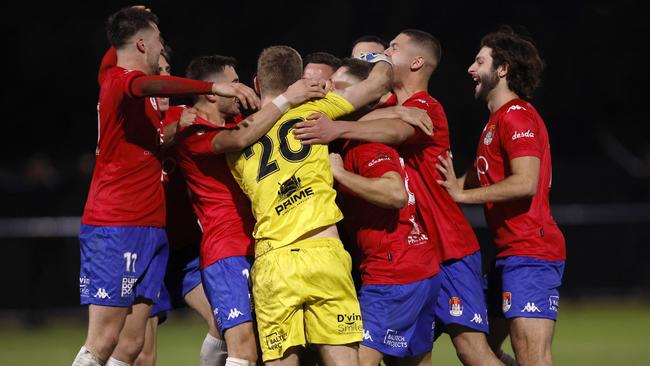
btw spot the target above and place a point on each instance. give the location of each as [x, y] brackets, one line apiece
[145, 358]
[241, 342]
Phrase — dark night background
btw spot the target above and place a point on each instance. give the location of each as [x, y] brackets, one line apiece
[593, 100]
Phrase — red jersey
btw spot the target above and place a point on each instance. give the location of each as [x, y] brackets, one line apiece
[182, 226]
[442, 217]
[522, 227]
[395, 248]
[222, 208]
[126, 187]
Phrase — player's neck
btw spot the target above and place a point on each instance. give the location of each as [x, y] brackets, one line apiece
[210, 113]
[268, 97]
[498, 97]
[130, 61]
[404, 90]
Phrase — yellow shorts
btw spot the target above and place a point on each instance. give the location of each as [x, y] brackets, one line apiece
[303, 293]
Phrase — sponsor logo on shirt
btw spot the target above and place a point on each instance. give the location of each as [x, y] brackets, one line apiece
[515, 107]
[84, 283]
[274, 340]
[455, 306]
[530, 308]
[507, 301]
[518, 135]
[293, 194]
[393, 339]
[554, 303]
[378, 160]
[127, 286]
[349, 323]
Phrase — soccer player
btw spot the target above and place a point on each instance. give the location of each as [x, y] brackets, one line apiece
[320, 65]
[223, 210]
[368, 44]
[400, 287]
[461, 310]
[302, 286]
[122, 241]
[512, 178]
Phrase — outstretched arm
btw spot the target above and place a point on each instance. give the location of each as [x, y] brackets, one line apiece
[374, 87]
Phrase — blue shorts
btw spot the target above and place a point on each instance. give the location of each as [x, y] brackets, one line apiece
[398, 320]
[183, 275]
[525, 287]
[462, 299]
[227, 288]
[121, 263]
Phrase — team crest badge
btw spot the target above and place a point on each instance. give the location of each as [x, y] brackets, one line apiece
[507, 301]
[489, 135]
[455, 306]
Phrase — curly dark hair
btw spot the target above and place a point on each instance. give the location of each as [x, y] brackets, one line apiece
[126, 22]
[521, 57]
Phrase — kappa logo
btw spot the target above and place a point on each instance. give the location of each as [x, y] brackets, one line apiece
[515, 107]
[477, 319]
[234, 314]
[102, 294]
[530, 308]
[366, 336]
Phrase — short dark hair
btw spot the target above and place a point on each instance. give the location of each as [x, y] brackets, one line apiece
[203, 67]
[126, 22]
[370, 38]
[357, 68]
[427, 42]
[278, 67]
[524, 63]
[322, 58]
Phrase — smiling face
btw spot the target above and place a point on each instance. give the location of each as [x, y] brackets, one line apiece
[484, 74]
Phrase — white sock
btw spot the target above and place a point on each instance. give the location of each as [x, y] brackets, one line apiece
[115, 362]
[231, 361]
[213, 351]
[86, 358]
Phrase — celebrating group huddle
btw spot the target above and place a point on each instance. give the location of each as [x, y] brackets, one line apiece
[239, 215]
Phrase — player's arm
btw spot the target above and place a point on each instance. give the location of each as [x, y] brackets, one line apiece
[521, 183]
[387, 191]
[392, 126]
[374, 87]
[170, 86]
[108, 61]
[259, 123]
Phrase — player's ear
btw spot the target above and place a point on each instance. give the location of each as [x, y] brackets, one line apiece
[417, 63]
[502, 70]
[139, 44]
[212, 98]
[256, 85]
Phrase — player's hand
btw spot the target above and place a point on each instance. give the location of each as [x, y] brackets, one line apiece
[188, 118]
[303, 90]
[451, 183]
[318, 129]
[246, 95]
[337, 164]
[416, 117]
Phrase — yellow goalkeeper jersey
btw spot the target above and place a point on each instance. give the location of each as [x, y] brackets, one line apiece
[289, 185]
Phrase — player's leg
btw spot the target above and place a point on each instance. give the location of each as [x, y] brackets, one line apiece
[461, 310]
[332, 312]
[132, 335]
[499, 331]
[369, 356]
[109, 270]
[213, 350]
[290, 358]
[531, 340]
[227, 289]
[531, 303]
[147, 356]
